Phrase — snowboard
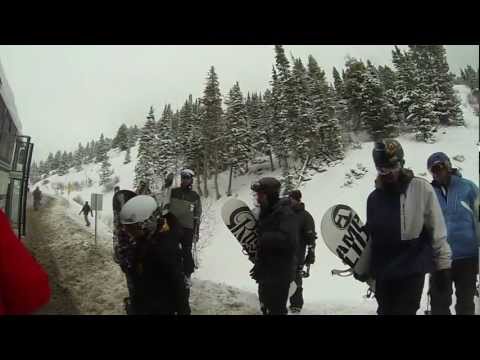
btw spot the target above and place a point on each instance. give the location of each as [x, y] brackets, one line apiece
[343, 234]
[242, 223]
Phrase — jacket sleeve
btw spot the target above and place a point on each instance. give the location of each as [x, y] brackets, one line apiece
[197, 212]
[24, 284]
[476, 210]
[309, 233]
[435, 223]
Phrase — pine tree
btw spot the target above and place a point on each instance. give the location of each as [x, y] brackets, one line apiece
[338, 82]
[49, 166]
[101, 150]
[212, 128]
[377, 113]
[447, 105]
[63, 164]
[121, 139]
[57, 160]
[354, 82]
[77, 162]
[238, 137]
[163, 152]
[106, 172]
[326, 135]
[144, 169]
[127, 157]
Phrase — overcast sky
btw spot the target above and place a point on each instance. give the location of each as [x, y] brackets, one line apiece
[70, 94]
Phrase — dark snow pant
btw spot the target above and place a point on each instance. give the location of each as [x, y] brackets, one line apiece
[399, 296]
[186, 242]
[86, 220]
[297, 298]
[273, 297]
[464, 276]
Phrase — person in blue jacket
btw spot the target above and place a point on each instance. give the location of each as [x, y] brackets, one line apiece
[407, 233]
[459, 200]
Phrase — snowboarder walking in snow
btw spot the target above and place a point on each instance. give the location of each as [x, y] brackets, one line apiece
[85, 210]
[306, 239]
[186, 205]
[459, 200]
[275, 262]
[157, 278]
[407, 234]
[37, 198]
[143, 188]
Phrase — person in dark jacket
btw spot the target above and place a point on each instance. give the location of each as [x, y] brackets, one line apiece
[24, 285]
[86, 209]
[306, 239]
[37, 198]
[459, 200]
[157, 276]
[275, 261]
[186, 205]
[407, 233]
[143, 188]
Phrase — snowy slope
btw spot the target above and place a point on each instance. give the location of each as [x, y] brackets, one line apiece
[221, 260]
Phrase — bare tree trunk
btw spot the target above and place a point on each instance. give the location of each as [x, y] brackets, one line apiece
[229, 191]
[271, 160]
[199, 180]
[205, 173]
[215, 156]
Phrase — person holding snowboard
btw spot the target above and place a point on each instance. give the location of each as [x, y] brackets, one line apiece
[459, 200]
[85, 210]
[37, 198]
[306, 239]
[186, 205]
[157, 277]
[275, 262]
[407, 233]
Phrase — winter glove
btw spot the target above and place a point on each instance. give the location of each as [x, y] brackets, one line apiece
[442, 279]
[310, 259]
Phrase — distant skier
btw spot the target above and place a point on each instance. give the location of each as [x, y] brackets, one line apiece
[459, 200]
[407, 233]
[306, 239]
[186, 205]
[275, 262]
[156, 274]
[143, 188]
[37, 198]
[85, 210]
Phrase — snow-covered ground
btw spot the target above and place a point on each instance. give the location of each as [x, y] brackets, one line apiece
[221, 261]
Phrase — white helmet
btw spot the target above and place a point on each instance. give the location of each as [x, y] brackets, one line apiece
[138, 209]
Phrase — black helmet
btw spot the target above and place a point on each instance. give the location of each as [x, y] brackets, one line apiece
[267, 185]
[388, 153]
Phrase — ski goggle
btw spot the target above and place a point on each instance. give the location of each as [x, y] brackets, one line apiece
[383, 171]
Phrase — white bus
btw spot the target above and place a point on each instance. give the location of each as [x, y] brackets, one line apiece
[15, 157]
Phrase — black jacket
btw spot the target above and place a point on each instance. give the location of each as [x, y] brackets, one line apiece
[407, 229]
[157, 273]
[306, 230]
[277, 244]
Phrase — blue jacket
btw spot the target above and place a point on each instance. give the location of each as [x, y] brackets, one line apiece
[407, 230]
[459, 203]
